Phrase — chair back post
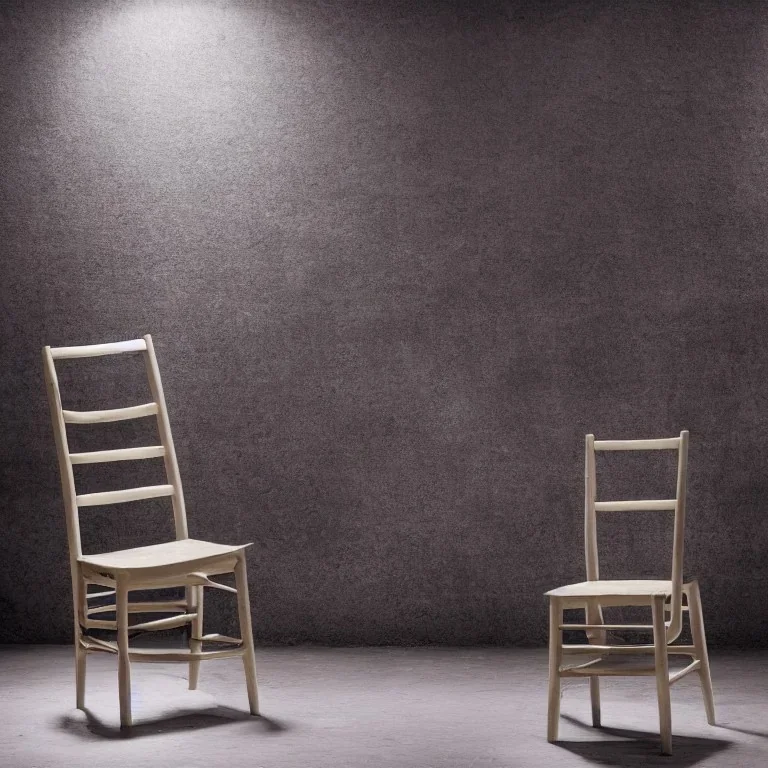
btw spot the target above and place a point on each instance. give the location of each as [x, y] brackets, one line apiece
[678, 540]
[67, 485]
[164, 428]
[590, 522]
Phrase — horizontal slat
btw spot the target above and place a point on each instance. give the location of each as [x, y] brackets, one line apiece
[119, 497]
[157, 607]
[147, 607]
[167, 623]
[609, 671]
[95, 350]
[610, 650]
[610, 627]
[158, 654]
[121, 454]
[593, 668]
[640, 505]
[638, 445]
[116, 414]
[161, 655]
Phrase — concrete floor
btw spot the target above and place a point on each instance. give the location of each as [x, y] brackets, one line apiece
[371, 707]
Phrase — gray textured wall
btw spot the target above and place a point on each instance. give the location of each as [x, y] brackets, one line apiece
[397, 260]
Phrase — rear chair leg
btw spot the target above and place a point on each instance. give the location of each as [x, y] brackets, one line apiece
[246, 633]
[696, 618]
[555, 659]
[595, 616]
[662, 674]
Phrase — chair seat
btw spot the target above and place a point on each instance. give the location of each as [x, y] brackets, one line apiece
[629, 588]
[169, 553]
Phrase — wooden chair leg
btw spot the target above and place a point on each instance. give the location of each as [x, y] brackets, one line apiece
[696, 617]
[79, 592]
[555, 660]
[80, 660]
[594, 615]
[195, 603]
[594, 695]
[246, 633]
[662, 674]
[123, 659]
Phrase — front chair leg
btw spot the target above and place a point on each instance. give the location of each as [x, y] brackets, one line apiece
[555, 659]
[123, 658]
[696, 618]
[80, 660]
[246, 633]
[195, 604]
[662, 674]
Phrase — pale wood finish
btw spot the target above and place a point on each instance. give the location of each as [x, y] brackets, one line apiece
[662, 674]
[164, 427]
[665, 597]
[244, 611]
[120, 497]
[598, 588]
[181, 551]
[121, 454]
[555, 660]
[694, 666]
[113, 414]
[664, 443]
[630, 649]
[196, 639]
[94, 350]
[700, 644]
[639, 505]
[593, 609]
[184, 562]
[123, 654]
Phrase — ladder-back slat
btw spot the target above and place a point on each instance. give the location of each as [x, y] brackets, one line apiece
[638, 505]
[96, 350]
[115, 414]
[664, 443]
[120, 454]
[119, 497]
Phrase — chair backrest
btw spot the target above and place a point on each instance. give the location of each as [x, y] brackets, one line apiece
[72, 501]
[676, 505]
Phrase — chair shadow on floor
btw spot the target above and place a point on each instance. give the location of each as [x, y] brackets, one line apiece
[639, 749]
[91, 726]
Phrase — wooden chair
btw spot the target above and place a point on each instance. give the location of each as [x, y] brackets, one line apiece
[185, 562]
[664, 597]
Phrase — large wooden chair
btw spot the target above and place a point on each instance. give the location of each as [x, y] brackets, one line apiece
[664, 597]
[185, 562]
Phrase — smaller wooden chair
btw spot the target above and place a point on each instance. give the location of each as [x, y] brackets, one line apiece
[185, 562]
[664, 597]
